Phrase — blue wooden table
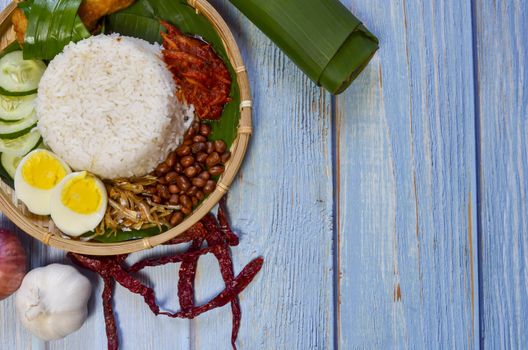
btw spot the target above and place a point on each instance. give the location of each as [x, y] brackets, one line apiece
[392, 216]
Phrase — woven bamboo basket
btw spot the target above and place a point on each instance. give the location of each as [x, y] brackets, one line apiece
[43, 229]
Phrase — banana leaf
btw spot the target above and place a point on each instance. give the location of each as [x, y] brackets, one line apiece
[141, 20]
[51, 26]
[120, 236]
[320, 36]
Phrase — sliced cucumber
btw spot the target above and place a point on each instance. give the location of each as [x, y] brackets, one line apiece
[21, 145]
[11, 130]
[16, 107]
[19, 76]
[10, 163]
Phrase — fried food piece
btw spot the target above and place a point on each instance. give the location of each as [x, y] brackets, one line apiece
[91, 11]
[20, 24]
[202, 76]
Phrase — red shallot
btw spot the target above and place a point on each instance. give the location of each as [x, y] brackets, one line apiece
[12, 263]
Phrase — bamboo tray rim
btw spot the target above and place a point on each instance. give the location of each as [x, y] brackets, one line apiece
[42, 228]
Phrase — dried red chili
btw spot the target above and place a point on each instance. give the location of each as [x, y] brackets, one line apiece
[222, 215]
[224, 258]
[218, 235]
[195, 232]
[169, 259]
[108, 310]
[240, 283]
[187, 276]
[200, 74]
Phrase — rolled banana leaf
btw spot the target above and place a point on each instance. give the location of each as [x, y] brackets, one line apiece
[322, 37]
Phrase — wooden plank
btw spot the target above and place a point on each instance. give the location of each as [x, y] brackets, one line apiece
[406, 154]
[501, 33]
[140, 328]
[282, 203]
[13, 335]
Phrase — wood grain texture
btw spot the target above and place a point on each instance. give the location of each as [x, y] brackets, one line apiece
[501, 38]
[428, 185]
[140, 328]
[281, 202]
[406, 183]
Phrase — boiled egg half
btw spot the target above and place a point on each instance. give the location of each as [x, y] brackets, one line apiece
[36, 176]
[78, 203]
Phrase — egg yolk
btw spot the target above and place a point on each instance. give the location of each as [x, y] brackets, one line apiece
[81, 194]
[43, 171]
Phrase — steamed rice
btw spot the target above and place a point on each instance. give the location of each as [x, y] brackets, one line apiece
[107, 105]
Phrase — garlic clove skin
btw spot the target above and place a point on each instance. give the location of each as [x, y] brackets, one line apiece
[52, 301]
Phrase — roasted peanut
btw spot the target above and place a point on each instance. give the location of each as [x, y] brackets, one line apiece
[176, 218]
[187, 161]
[212, 159]
[217, 170]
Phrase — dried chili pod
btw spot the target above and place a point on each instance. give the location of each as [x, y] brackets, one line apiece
[99, 264]
[195, 232]
[111, 267]
[110, 322]
[170, 259]
[135, 286]
[222, 216]
[240, 283]
[228, 274]
[217, 237]
[187, 276]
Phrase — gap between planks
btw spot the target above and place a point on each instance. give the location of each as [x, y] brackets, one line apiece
[336, 246]
[474, 211]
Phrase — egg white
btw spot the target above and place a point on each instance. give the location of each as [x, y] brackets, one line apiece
[70, 222]
[36, 200]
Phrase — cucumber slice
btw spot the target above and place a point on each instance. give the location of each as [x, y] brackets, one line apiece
[19, 76]
[10, 163]
[21, 145]
[11, 130]
[16, 107]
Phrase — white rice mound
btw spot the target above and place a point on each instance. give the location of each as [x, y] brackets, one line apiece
[107, 105]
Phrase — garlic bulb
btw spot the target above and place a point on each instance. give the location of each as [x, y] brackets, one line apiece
[52, 301]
